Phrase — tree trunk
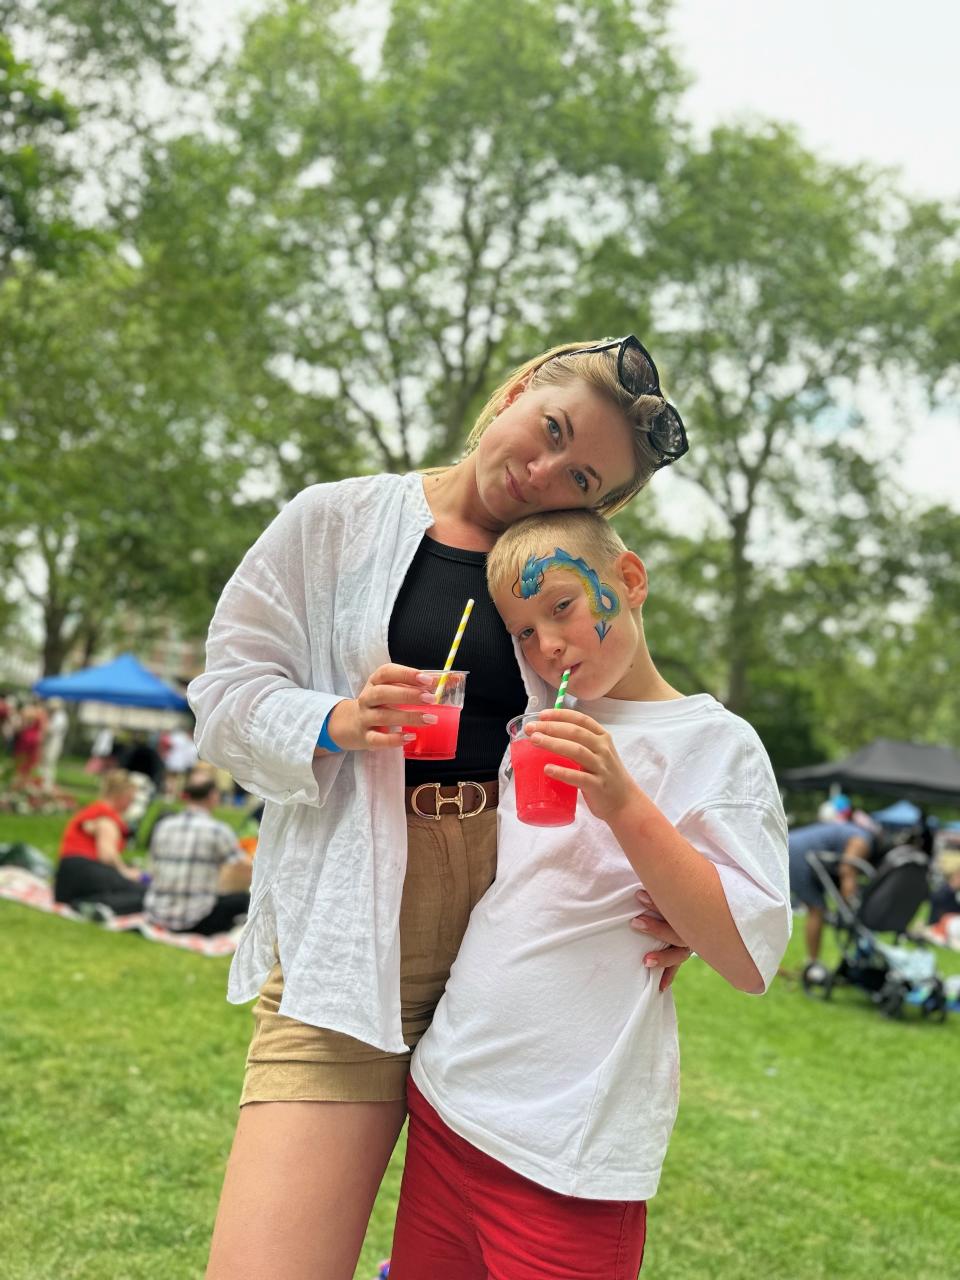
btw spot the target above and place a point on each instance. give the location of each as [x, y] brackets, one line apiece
[55, 643]
[740, 633]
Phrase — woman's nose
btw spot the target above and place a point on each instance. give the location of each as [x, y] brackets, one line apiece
[540, 472]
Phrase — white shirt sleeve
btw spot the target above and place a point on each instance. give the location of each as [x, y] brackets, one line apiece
[257, 715]
[747, 842]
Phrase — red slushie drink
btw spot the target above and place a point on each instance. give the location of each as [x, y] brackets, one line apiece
[437, 741]
[541, 801]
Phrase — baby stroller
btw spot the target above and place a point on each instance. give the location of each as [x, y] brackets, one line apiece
[892, 894]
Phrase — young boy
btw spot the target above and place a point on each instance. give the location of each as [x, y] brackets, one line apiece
[543, 1095]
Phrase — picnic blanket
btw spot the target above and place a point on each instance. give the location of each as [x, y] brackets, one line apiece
[19, 885]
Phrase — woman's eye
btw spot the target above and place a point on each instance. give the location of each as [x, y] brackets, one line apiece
[553, 430]
[581, 481]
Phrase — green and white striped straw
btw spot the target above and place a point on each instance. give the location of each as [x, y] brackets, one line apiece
[562, 690]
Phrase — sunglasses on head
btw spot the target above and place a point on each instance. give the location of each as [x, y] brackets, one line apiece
[638, 375]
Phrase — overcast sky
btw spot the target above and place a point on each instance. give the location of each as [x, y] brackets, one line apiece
[864, 80]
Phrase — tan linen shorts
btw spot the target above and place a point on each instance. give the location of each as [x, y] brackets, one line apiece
[450, 865]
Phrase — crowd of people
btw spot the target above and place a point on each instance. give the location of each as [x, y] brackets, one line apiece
[191, 854]
[850, 845]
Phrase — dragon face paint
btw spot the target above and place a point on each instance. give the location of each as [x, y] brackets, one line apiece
[602, 601]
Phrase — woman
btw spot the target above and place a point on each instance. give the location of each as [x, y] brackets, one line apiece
[91, 867]
[368, 865]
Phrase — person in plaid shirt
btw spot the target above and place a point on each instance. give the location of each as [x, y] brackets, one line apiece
[187, 851]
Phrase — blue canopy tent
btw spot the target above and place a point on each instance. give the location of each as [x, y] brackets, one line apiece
[124, 682]
[901, 814]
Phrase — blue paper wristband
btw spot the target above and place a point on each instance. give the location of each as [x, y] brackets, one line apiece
[325, 741]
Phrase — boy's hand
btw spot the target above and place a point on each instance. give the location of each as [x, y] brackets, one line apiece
[606, 786]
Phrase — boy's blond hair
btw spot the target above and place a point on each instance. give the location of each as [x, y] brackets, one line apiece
[580, 533]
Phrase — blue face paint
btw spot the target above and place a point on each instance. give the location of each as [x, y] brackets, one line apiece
[602, 600]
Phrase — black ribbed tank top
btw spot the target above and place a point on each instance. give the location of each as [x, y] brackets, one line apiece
[429, 606]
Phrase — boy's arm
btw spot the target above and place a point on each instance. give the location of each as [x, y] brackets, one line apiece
[684, 883]
[686, 887]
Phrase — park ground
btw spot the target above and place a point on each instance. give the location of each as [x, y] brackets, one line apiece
[814, 1140]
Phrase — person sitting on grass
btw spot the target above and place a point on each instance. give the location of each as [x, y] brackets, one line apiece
[543, 1094]
[91, 867]
[187, 852]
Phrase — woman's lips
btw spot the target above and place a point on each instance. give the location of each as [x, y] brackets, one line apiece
[513, 488]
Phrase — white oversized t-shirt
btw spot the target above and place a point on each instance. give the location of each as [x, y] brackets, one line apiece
[553, 1049]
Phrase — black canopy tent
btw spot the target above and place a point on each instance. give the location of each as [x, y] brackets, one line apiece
[910, 770]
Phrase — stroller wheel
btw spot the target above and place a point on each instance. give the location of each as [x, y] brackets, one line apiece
[935, 1007]
[890, 1000]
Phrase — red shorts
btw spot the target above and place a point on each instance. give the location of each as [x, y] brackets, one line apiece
[465, 1216]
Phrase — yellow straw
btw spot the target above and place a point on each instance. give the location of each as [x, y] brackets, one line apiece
[563, 689]
[447, 666]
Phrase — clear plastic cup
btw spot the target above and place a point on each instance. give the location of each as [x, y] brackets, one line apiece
[437, 741]
[541, 801]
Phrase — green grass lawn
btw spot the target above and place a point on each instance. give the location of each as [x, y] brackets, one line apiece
[813, 1141]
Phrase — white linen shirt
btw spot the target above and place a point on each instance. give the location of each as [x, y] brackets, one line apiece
[301, 625]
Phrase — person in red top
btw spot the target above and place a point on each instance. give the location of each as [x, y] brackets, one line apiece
[27, 744]
[91, 867]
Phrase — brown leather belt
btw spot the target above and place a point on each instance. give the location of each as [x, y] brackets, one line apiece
[469, 799]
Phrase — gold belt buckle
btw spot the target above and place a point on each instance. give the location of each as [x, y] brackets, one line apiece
[456, 800]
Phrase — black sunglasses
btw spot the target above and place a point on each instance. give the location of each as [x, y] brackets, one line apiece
[638, 375]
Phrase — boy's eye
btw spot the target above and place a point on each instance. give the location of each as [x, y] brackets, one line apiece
[581, 481]
[561, 605]
[553, 430]
[525, 634]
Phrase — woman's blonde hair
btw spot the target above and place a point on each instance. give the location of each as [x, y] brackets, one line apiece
[115, 783]
[598, 369]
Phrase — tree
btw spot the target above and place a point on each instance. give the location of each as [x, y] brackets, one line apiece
[92, 50]
[764, 263]
[34, 217]
[409, 211]
[116, 500]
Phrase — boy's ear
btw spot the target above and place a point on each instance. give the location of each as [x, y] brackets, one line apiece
[634, 574]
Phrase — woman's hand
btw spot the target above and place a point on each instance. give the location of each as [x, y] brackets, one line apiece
[668, 958]
[372, 721]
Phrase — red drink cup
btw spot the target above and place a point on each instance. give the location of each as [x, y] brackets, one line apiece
[541, 801]
[437, 741]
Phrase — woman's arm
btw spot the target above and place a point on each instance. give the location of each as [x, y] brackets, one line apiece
[108, 839]
[257, 714]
